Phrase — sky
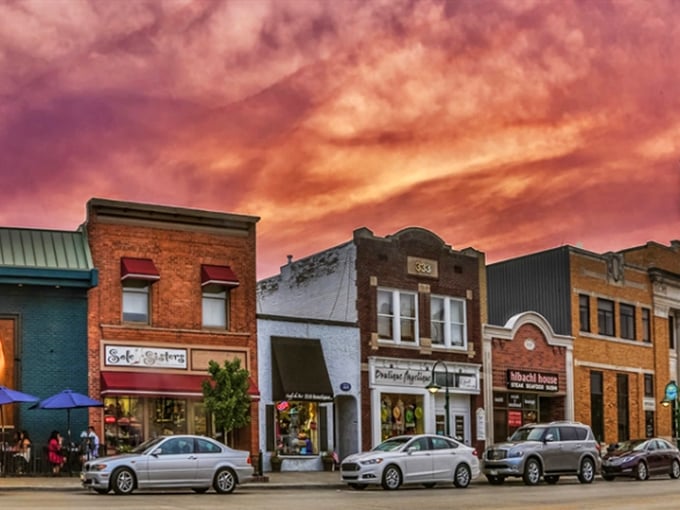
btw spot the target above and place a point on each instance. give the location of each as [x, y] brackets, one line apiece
[508, 126]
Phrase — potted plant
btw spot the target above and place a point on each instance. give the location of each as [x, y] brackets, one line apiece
[275, 462]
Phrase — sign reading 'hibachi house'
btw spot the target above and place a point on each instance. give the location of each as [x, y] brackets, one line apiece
[532, 380]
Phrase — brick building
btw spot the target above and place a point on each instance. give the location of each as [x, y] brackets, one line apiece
[605, 304]
[419, 307]
[44, 279]
[176, 290]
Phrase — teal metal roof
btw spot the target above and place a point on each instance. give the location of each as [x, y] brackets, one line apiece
[50, 257]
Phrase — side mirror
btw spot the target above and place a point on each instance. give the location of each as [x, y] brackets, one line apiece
[157, 452]
[548, 438]
[411, 449]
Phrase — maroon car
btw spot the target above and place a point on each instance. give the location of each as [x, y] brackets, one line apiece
[641, 458]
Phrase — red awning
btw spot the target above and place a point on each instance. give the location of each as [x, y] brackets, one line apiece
[138, 269]
[153, 383]
[219, 275]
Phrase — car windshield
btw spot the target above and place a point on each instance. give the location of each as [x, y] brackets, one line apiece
[391, 444]
[629, 446]
[147, 445]
[528, 434]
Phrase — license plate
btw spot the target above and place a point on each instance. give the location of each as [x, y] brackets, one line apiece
[493, 472]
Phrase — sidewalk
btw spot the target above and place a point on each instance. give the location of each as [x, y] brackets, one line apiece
[285, 480]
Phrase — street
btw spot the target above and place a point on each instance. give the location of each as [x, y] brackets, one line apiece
[655, 494]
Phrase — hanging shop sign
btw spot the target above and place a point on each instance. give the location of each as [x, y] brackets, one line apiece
[532, 380]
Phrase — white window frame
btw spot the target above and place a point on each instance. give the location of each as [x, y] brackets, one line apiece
[132, 291]
[448, 323]
[214, 302]
[396, 318]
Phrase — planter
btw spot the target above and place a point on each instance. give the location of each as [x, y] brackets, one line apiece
[328, 463]
[276, 464]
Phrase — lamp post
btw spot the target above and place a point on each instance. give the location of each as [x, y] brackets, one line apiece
[670, 398]
[433, 388]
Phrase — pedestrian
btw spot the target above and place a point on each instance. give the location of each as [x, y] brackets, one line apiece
[54, 453]
[89, 446]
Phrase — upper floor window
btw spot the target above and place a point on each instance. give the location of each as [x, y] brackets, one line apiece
[584, 312]
[447, 316]
[216, 282]
[649, 385]
[397, 316]
[646, 326]
[136, 276]
[627, 320]
[605, 317]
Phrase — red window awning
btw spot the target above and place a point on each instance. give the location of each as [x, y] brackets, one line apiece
[154, 383]
[218, 275]
[138, 269]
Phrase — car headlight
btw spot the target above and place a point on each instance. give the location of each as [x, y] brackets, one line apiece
[517, 453]
[369, 462]
[97, 467]
[627, 458]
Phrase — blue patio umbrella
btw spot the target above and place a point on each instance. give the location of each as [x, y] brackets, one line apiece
[9, 396]
[68, 400]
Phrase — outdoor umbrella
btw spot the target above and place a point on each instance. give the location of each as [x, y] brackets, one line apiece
[68, 400]
[9, 396]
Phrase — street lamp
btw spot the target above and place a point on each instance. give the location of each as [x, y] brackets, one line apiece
[670, 398]
[433, 388]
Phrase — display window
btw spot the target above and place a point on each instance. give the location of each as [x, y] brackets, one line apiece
[400, 414]
[296, 425]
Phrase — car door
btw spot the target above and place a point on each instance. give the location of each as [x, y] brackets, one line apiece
[552, 451]
[445, 457]
[418, 461]
[656, 457]
[209, 456]
[175, 464]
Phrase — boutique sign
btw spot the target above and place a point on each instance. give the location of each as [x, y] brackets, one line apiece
[532, 380]
[144, 357]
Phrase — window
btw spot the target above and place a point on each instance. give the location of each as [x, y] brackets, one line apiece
[605, 317]
[597, 404]
[671, 331]
[448, 322]
[136, 301]
[649, 385]
[646, 326]
[397, 316]
[627, 320]
[215, 307]
[584, 312]
[622, 407]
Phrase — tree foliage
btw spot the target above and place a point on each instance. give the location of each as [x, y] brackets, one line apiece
[226, 395]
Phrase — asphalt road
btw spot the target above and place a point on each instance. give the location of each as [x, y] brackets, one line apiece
[656, 494]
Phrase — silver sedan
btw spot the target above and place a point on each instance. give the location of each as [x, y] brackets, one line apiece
[170, 462]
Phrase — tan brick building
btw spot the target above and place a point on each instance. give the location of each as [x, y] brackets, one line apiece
[606, 303]
[176, 290]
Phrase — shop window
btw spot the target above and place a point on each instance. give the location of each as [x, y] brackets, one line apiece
[605, 317]
[597, 404]
[584, 312]
[136, 301]
[401, 414]
[448, 326]
[646, 326]
[169, 416]
[627, 321]
[215, 307]
[297, 428]
[397, 316]
[623, 413]
[123, 424]
[649, 424]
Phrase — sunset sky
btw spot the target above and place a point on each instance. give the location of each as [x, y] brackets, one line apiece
[508, 126]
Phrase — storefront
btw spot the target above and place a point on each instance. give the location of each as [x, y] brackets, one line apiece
[156, 390]
[522, 393]
[401, 403]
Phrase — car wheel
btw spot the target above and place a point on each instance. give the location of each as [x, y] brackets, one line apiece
[641, 472]
[495, 480]
[552, 479]
[532, 472]
[608, 478]
[225, 481]
[391, 479]
[587, 472]
[101, 491]
[357, 486]
[675, 469]
[123, 481]
[462, 476]
[200, 490]
[429, 485]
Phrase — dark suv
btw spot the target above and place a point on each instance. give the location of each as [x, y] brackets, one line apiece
[544, 449]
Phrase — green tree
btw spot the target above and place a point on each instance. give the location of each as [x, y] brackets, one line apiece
[226, 396]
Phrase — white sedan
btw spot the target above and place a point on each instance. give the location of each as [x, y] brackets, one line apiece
[424, 459]
[170, 462]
